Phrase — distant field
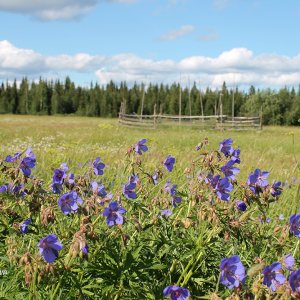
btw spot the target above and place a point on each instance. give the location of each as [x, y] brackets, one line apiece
[78, 139]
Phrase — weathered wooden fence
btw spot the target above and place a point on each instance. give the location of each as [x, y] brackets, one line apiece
[221, 122]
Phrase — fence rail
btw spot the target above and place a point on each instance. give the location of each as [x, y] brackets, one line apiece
[221, 122]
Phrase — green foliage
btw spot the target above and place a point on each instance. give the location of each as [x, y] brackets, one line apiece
[47, 98]
[140, 258]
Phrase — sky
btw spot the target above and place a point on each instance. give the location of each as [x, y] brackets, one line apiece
[207, 42]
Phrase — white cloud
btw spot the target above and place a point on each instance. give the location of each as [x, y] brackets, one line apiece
[174, 34]
[19, 60]
[51, 10]
[238, 66]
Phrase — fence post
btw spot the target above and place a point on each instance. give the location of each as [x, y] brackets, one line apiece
[154, 116]
[121, 111]
[260, 118]
[221, 110]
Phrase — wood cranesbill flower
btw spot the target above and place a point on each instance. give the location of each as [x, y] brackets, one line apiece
[257, 181]
[229, 170]
[98, 166]
[232, 271]
[155, 178]
[276, 189]
[140, 146]
[169, 163]
[223, 187]
[288, 262]
[175, 292]
[176, 200]
[170, 189]
[294, 281]
[4, 188]
[114, 214]
[49, 247]
[27, 162]
[166, 212]
[241, 205]
[235, 156]
[98, 190]
[295, 224]
[58, 178]
[24, 225]
[128, 188]
[13, 158]
[273, 278]
[226, 147]
[68, 202]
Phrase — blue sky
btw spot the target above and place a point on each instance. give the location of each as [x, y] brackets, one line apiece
[242, 42]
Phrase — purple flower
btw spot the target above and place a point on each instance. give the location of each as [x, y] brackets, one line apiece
[212, 180]
[232, 272]
[223, 187]
[294, 281]
[68, 202]
[235, 156]
[59, 176]
[272, 277]
[171, 189]
[295, 224]
[176, 292]
[49, 247]
[71, 178]
[134, 178]
[288, 262]
[17, 189]
[257, 181]
[166, 212]
[169, 163]
[140, 146]
[10, 158]
[275, 189]
[98, 166]
[176, 200]
[99, 190]
[281, 217]
[85, 249]
[155, 178]
[114, 214]
[229, 170]
[24, 225]
[27, 163]
[241, 205]
[128, 190]
[56, 188]
[226, 147]
[4, 188]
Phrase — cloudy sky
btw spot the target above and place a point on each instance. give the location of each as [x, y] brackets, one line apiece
[242, 42]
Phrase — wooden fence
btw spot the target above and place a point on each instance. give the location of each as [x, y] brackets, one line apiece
[221, 122]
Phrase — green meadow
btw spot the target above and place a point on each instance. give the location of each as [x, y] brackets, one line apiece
[56, 139]
[139, 258]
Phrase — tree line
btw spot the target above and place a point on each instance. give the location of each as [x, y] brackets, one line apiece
[279, 107]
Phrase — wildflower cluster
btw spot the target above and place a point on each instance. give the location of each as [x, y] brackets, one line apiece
[149, 237]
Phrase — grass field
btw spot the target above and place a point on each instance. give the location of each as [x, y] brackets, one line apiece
[147, 253]
[77, 139]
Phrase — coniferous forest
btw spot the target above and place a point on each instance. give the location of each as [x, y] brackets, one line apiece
[279, 107]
